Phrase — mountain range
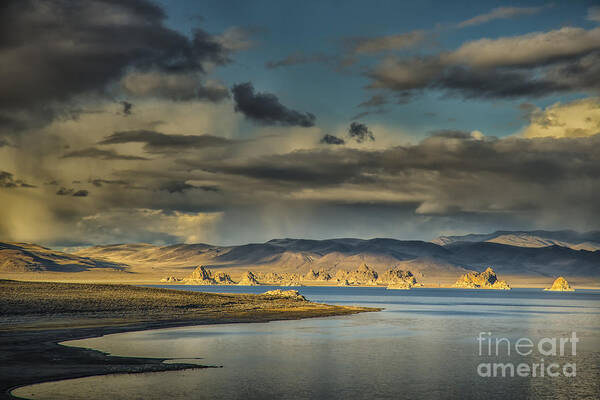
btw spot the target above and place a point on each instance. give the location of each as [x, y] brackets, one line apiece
[519, 253]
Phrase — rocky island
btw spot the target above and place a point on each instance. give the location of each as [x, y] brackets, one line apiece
[481, 280]
[560, 285]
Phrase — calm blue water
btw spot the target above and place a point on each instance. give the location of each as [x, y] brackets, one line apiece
[423, 345]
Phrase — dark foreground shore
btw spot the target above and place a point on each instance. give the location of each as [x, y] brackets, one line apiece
[36, 316]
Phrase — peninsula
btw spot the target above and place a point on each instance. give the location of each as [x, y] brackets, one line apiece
[37, 316]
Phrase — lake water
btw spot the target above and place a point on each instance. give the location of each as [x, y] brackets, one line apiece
[424, 345]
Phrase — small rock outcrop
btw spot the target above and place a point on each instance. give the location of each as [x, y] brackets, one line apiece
[481, 280]
[396, 278]
[560, 285]
[248, 279]
[204, 276]
[400, 286]
[171, 279]
[320, 275]
[288, 294]
[222, 278]
[364, 275]
[200, 276]
[282, 279]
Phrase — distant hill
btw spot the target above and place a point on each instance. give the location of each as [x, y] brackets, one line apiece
[571, 239]
[24, 257]
[424, 258]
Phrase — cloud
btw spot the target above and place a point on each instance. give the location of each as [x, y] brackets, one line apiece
[265, 108]
[450, 174]
[530, 50]
[176, 186]
[450, 154]
[157, 142]
[101, 182]
[368, 45]
[238, 38]
[374, 105]
[127, 107]
[331, 139]
[92, 152]
[534, 65]
[593, 14]
[500, 13]
[56, 50]
[574, 119]
[81, 193]
[145, 225]
[8, 181]
[360, 132]
[178, 86]
[63, 191]
[374, 101]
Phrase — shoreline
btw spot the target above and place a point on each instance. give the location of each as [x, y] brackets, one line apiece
[30, 344]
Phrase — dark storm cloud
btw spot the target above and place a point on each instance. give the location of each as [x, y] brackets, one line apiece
[532, 65]
[331, 139]
[176, 186]
[63, 191]
[156, 142]
[54, 50]
[451, 134]
[182, 186]
[265, 108]
[102, 154]
[101, 182]
[81, 193]
[127, 107]
[7, 180]
[360, 132]
[446, 173]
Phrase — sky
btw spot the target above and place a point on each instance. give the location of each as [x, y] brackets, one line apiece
[230, 122]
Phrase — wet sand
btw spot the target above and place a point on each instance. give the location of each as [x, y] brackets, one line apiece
[37, 316]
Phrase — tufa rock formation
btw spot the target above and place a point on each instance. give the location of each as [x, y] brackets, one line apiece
[395, 278]
[398, 279]
[273, 278]
[204, 276]
[364, 275]
[481, 280]
[222, 278]
[171, 279]
[289, 294]
[201, 276]
[248, 279]
[560, 285]
[321, 275]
